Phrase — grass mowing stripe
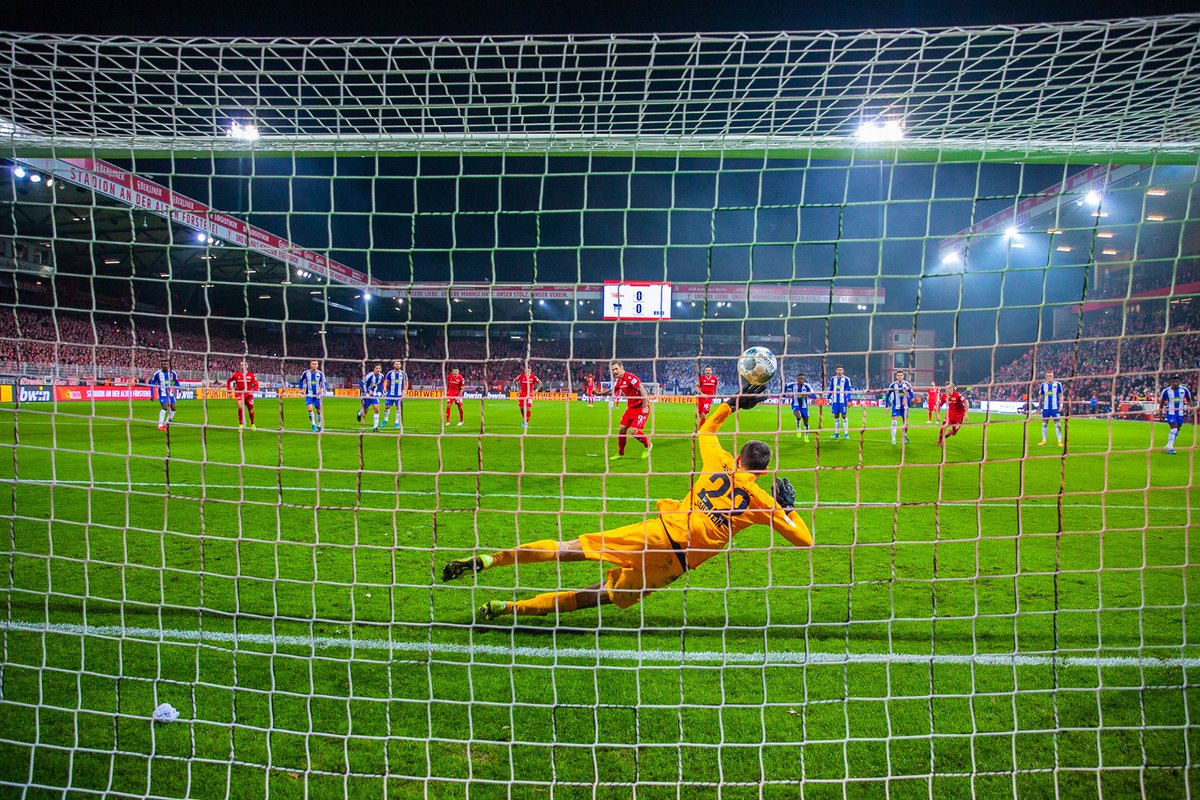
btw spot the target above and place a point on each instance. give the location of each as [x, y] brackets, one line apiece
[598, 655]
[81, 484]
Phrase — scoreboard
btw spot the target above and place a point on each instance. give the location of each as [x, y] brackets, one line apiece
[637, 300]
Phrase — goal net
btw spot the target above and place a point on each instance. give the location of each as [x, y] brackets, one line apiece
[220, 587]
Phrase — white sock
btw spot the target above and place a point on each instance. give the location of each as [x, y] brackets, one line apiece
[312, 418]
[170, 415]
[893, 430]
[1043, 431]
[1171, 438]
[162, 416]
[1058, 431]
[376, 419]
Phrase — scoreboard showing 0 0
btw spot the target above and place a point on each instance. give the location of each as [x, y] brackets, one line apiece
[637, 300]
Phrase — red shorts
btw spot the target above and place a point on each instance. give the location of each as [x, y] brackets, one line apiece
[953, 419]
[454, 399]
[247, 399]
[635, 417]
[525, 402]
[704, 405]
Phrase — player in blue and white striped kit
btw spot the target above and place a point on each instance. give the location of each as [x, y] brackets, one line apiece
[839, 391]
[167, 382]
[899, 399]
[1175, 401]
[371, 389]
[314, 385]
[395, 384]
[1051, 396]
[800, 394]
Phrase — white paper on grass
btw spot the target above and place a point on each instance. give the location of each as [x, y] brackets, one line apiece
[165, 713]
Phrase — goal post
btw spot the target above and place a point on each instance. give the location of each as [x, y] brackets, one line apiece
[997, 609]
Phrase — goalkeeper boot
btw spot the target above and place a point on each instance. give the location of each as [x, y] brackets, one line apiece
[460, 566]
[253, 427]
[492, 610]
[646, 453]
[616, 456]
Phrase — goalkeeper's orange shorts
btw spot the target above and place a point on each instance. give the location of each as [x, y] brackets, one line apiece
[644, 558]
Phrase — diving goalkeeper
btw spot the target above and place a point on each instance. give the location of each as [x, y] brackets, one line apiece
[652, 554]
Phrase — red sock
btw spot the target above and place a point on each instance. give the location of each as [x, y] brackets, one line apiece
[641, 437]
[252, 416]
[528, 414]
[447, 412]
[239, 416]
[621, 443]
[460, 413]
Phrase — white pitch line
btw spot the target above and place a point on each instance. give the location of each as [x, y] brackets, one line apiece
[502, 427]
[782, 658]
[1044, 502]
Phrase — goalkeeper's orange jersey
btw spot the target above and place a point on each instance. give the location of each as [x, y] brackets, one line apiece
[723, 502]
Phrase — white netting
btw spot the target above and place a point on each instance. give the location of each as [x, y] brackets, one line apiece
[1114, 88]
[992, 616]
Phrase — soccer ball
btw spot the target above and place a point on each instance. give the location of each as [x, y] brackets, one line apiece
[757, 366]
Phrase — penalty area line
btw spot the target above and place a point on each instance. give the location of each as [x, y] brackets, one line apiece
[774, 658]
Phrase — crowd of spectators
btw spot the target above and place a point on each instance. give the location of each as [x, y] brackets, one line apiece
[1119, 356]
[1116, 358]
[70, 346]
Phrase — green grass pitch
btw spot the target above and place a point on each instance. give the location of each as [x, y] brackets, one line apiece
[1004, 620]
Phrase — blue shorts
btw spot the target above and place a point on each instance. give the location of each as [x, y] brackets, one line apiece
[370, 401]
[1049, 413]
[393, 401]
[315, 402]
[899, 412]
[837, 409]
[166, 401]
[801, 410]
[1175, 420]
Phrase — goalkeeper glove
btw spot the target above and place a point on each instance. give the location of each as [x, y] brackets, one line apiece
[747, 398]
[785, 495]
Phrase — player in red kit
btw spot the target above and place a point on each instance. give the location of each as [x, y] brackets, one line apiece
[527, 384]
[934, 399]
[454, 389]
[706, 387]
[955, 416]
[589, 388]
[637, 409]
[243, 384]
